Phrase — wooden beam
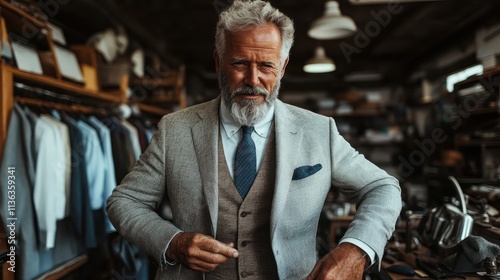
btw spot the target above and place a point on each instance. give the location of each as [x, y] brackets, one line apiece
[64, 269]
[7, 98]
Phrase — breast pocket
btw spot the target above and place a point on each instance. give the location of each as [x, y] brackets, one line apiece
[305, 171]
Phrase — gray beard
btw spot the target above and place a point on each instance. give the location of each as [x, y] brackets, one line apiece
[247, 112]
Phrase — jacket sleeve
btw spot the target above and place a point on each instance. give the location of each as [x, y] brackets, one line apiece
[132, 207]
[376, 193]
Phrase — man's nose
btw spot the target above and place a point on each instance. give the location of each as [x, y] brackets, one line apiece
[252, 76]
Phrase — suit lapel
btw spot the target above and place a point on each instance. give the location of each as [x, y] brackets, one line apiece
[288, 140]
[205, 137]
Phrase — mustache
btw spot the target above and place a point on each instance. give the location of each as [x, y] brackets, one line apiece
[246, 90]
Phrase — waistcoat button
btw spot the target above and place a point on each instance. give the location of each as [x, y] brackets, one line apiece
[244, 214]
[244, 243]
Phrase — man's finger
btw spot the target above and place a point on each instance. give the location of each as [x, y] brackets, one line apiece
[315, 272]
[217, 247]
[210, 257]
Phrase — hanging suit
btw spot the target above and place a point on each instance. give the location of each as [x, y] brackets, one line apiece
[18, 153]
[81, 211]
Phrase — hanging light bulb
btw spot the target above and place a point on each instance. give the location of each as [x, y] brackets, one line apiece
[332, 25]
[320, 63]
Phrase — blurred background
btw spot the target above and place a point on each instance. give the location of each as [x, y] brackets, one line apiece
[411, 84]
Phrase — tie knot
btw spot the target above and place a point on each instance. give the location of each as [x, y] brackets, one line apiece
[247, 129]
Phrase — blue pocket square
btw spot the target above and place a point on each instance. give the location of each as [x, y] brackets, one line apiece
[305, 171]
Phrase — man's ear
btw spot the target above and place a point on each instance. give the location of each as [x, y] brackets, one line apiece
[284, 67]
[217, 61]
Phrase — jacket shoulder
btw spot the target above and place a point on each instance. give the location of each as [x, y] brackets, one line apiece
[191, 114]
[301, 116]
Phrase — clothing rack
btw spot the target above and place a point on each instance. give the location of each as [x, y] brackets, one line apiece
[58, 94]
[38, 96]
[61, 107]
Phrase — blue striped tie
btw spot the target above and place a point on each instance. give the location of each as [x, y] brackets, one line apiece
[245, 162]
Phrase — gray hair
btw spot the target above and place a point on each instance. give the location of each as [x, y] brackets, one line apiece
[243, 14]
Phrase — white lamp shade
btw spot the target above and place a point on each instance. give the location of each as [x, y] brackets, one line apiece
[320, 63]
[332, 25]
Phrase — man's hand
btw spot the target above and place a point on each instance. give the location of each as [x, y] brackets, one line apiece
[199, 252]
[347, 261]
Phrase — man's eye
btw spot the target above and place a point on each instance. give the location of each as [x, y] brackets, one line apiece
[267, 68]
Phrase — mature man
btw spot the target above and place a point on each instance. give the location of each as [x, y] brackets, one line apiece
[247, 175]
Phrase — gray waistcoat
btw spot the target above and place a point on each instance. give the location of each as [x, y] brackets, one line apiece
[246, 223]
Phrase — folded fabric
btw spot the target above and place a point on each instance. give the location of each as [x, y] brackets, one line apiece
[305, 171]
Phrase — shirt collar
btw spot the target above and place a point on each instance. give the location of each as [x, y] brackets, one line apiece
[231, 127]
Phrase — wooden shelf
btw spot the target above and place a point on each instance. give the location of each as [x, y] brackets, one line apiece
[151, 83]
[64, 269]
[472, 143]
[62, 107]
[163, 99]
[32, 78]
[152, 109]
[483, 111]
[22, 13]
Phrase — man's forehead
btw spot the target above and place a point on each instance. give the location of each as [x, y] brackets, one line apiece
[265, 40]
[268, 32]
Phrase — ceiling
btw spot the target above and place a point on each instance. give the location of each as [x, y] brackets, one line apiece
[182, 31]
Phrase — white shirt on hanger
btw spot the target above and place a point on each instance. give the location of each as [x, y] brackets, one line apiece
[66, 163]
[49, 194]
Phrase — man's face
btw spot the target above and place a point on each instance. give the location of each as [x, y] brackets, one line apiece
[250, 70]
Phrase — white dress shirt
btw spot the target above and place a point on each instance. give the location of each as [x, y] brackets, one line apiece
[64, 164]
[66, 140]
[49, 194]
[231, 136]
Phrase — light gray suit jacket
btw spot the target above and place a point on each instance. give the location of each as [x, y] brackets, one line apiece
[181, 162]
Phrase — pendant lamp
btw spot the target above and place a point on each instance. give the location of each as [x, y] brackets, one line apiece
[320, 63]
[332, 25]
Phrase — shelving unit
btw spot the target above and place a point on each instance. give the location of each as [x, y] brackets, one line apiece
[378, 147]
[10, 74]
[15, 20]
[162, 94]
[87, 97]
[481, 112]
